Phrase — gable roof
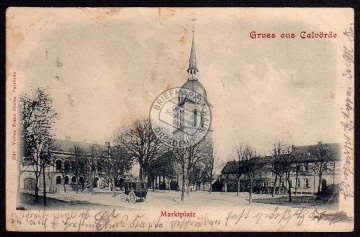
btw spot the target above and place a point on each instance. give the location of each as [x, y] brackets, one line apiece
[304, 154]
[312, 153]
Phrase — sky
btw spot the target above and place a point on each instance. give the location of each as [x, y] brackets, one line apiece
[105, 67]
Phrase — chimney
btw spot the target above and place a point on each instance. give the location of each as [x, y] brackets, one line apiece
[67, 138]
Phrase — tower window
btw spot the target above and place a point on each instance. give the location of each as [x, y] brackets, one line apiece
[202, 119]
[195, 117]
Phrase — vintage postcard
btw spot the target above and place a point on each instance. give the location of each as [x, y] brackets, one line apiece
[179, 119]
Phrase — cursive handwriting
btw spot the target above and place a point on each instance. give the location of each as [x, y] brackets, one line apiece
[110, 220]
[198, 222]
[349, 33]
[347, 113]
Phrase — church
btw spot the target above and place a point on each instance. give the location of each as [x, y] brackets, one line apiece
[192, 120]
[191, 111]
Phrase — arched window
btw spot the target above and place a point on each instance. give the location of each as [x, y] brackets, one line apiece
[67, 165]
[58, 164]
[58, 180]
[202, 119]
[73, 166]
[195, 117]
[95, 184]
[73, 179]
[29, 183]
[81, 180]
[66, 180]
[81, 166]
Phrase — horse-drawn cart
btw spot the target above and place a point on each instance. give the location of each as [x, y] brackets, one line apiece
[134, 190]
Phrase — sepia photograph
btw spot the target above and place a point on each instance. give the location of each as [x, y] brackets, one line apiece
[180, 119]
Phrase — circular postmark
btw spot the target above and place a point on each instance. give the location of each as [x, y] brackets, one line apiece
[180, 117]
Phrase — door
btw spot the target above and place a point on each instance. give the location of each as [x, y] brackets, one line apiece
[323, 186]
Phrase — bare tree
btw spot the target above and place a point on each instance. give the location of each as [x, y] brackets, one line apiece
[116, 161]
[297, 164]
[45, 160]
[209, 168]
[141, 144]
[161, 166]
[240, 153]
[78, 164]
[251, 167]
[188, 158]
[322, 164]
[37, 120]
[284, 163]
[93, 160]
[277, 167]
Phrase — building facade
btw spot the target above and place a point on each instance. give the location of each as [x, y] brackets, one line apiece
[307, 162]
[66, 168]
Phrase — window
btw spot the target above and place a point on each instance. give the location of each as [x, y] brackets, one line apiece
[202, 119]
[58, 180]
[298, 183]
[81, 166]
[73, 166]
[67, 165]
[305, 167]
[66, 180]
[305, 183]
[195, 117]
[58, 164]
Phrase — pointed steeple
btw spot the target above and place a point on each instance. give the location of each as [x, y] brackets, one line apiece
[192, 70]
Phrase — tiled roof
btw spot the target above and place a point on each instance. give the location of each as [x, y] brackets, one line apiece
[305, 154]
[233, 166]
[230, 167]
[68, 145]
[310, 153]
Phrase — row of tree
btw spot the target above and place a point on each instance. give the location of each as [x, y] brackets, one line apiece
[136, 143]
[283, 163]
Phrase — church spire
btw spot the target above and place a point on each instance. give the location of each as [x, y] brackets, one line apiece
[192, 70]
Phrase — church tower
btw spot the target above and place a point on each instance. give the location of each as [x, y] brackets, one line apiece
[189, 116]
[192, 121]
